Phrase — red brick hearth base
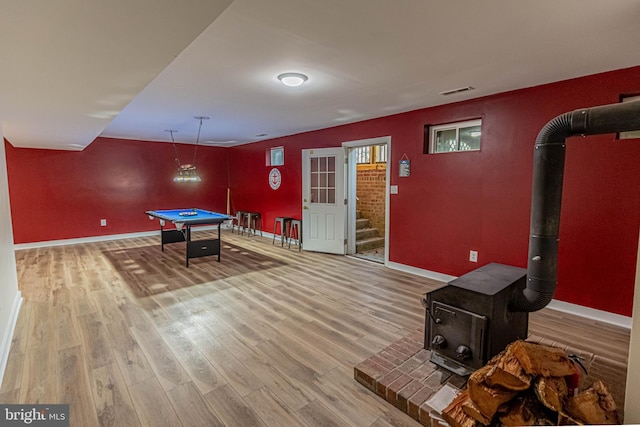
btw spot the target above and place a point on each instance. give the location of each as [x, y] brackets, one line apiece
[403, 376]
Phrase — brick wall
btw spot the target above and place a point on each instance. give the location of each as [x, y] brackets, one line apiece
[371, 188]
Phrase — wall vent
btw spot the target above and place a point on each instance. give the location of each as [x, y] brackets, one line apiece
[458, 90]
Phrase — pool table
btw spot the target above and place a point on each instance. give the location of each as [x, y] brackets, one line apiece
[183, 219]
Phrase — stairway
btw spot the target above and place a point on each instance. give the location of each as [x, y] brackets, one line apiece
[367, 238]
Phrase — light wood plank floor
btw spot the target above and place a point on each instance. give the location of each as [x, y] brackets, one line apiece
[128, 336]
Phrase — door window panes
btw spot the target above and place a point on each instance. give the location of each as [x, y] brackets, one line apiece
[323, 180]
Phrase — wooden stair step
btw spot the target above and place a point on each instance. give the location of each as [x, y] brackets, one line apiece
[365, 233]
[369, 244]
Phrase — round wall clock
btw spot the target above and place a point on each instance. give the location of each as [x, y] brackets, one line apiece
[275, 179]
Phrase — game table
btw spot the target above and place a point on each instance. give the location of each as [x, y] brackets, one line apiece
[183, 219]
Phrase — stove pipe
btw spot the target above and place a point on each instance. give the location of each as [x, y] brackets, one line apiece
[548, 168]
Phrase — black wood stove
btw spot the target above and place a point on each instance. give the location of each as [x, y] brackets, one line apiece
[468, 320]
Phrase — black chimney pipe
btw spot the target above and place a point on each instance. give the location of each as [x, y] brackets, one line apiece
[548, 169]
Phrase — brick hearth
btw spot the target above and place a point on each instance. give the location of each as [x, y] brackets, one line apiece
[403, 376]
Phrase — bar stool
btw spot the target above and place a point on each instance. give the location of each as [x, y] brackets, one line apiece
[296, 224]
[285, 223]
[240, 220]
[254, 221]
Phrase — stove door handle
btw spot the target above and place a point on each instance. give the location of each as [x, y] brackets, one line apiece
[445, 311]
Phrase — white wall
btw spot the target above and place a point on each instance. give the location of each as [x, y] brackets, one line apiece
[10, 297]
[632, 396]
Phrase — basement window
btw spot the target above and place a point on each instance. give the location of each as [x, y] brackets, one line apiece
[371, 154]
[275, 156]
[363, 155]
[453, 137]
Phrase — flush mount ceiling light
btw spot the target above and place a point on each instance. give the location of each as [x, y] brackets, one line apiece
[187, 171]
[292, 79]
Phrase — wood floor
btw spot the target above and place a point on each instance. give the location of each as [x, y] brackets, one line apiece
[128, 336]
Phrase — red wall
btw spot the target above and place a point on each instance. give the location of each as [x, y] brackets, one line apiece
[450, 204]
[64, 194]
[456, 202]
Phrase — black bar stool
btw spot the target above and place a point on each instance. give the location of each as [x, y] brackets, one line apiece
[285, 223]
[296, 224]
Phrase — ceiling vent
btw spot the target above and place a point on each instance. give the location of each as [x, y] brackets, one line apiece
[458, 90]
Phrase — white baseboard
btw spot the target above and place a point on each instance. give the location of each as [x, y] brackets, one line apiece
[421, 272]
[94, 239]
[565, 307]
[49, 243]
[5, 345]
[591, 313]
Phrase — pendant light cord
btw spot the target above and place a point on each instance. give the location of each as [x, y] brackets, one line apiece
[175, 149]
[198, 139]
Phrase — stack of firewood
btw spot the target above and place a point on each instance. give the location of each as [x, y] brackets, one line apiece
[526, 384]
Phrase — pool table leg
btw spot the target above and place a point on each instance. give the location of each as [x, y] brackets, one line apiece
[220, 241]
[188, 239]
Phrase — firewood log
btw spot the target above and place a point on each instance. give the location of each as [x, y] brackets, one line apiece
[537, 359]
[474, 412]
[593, 405]
[551, 391]
[507, 372]
[486, 398]
[454, 414]
[526, 410]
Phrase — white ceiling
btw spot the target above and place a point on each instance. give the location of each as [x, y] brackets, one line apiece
[73, 70]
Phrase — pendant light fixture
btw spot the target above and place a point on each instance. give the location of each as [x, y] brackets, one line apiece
[187, 171]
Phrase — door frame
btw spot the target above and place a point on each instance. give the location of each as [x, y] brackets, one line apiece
[350, 180]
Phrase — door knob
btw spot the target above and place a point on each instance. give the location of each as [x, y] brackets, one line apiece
[304, 207]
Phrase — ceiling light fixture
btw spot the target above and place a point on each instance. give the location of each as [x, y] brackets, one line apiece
[292, 79]
[187, 172]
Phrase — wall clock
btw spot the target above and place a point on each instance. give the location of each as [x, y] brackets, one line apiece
[275, 179]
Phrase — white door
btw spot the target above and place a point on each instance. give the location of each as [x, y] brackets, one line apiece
[323, 202]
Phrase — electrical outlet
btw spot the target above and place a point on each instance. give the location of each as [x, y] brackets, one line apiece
[103, 223]
[473, 256]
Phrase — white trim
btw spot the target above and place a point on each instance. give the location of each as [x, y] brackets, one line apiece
[632, 393]
[5, 344]
[93, 239]
[421, 272]
[387, 204]
[379, 140]
[351, 210]
[49, 243]
[565, 307]
[591, 313]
